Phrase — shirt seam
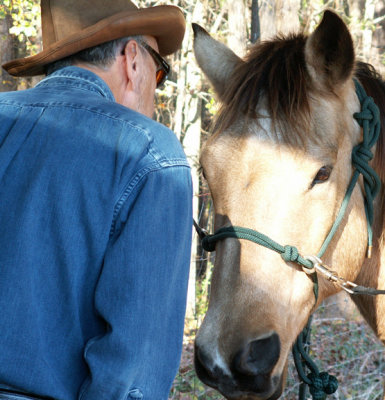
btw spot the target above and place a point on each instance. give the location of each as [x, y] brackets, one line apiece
[76, 77]
[134, 182]
[79, 107]
[82, 86]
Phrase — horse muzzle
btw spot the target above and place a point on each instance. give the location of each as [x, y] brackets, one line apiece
[249, 376]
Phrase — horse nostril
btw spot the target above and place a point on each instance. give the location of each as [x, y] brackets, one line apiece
[200, 356]
[258, 357]
[201, 363]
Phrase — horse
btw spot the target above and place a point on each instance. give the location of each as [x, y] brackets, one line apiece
[279, 162]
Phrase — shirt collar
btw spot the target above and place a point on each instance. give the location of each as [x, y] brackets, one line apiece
[75, 75]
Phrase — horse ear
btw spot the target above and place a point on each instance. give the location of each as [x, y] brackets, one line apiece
[329, 52]
[215, 59]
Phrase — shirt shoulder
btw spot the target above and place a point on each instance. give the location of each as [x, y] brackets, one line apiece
[104, 121]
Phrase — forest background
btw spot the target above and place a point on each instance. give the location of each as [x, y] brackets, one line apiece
[186, 104]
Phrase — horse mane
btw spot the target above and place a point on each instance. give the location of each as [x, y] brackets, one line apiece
[277, 70]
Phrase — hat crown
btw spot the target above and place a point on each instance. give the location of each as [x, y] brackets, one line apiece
[62, 18]
[70, 26]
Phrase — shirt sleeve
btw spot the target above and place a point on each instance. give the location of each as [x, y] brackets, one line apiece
[141, 292]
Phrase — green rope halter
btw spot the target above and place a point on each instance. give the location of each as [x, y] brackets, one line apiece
[322, 384]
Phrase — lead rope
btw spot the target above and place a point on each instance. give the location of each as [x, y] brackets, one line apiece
[322, 384]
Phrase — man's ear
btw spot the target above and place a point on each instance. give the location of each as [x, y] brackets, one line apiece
[134, 60]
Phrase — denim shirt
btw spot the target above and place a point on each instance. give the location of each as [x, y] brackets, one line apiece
[95, 236]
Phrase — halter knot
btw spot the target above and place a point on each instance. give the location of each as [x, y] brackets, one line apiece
[322, 384]
[207, 244]
[290, 254]
[368, 117]
[361, 153]
[369, 110]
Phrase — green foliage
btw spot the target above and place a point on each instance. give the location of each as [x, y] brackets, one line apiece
[188, 387]
[212, 105]
[25, 16]
[3, 8]
[202, 289]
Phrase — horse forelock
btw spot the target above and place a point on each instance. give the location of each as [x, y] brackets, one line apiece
[276, 71]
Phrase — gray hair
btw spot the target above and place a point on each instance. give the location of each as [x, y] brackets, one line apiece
[101, 56]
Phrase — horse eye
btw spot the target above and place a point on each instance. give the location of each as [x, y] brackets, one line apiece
[322, 175]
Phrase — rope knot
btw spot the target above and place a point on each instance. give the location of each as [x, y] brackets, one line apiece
[290, 254]
[369, 111]
[207, 244]
[322, 385]
[361, 153]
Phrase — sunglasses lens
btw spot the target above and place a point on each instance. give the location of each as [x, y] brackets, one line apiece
[161, 76]
[164, 68]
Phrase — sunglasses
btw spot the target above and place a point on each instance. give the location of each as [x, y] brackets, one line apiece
[163, 67]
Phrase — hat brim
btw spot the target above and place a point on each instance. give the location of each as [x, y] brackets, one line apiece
[165, 23]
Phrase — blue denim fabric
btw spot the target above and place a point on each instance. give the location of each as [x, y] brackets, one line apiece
[14, 396]
[11, 396]
[95, 235]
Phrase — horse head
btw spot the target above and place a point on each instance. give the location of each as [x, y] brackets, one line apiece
[278, 162]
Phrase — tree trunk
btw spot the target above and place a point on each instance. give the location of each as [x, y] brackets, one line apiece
[367, 34]
[237, 37]
[379, 37]
[287, 15]
[267, 19]
[7, 53]
[255, 23]
[356, 8]
[279, 17]
[188, 129]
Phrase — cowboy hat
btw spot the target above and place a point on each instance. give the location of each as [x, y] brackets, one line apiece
[69, 26]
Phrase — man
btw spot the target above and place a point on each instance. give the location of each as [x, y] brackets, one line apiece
[95, 210]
